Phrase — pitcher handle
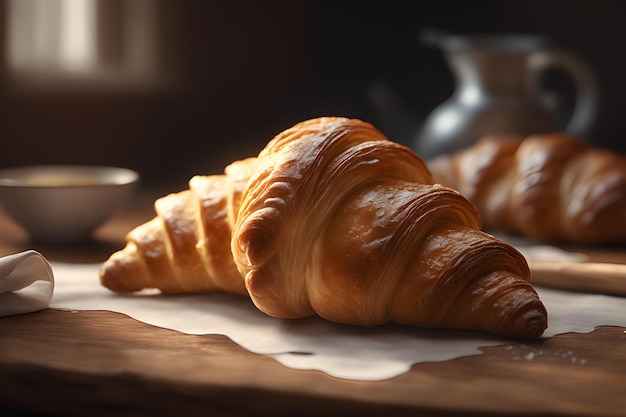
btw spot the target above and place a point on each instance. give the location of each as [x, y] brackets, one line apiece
[586, 105]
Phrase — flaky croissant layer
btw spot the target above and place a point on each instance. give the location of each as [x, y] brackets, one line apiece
[334, 219]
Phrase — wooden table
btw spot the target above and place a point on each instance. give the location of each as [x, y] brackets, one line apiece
[105, 363]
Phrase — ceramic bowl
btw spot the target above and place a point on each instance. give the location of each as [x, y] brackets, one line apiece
[64, 203]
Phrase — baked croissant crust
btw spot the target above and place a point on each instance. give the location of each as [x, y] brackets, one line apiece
[549, 187]
[186, 247]
[338, 221]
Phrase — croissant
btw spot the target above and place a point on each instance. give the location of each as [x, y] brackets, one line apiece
[186, 247]
[549, 187]
[337, 220]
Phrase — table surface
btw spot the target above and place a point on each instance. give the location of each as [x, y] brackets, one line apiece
[99, 362]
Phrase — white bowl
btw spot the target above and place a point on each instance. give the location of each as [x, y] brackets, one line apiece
[64, 203]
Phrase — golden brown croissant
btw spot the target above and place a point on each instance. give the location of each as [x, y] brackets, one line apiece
[547, 187]
[186, 247]
[337, 220]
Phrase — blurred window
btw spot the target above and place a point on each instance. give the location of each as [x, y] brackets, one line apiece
[97, 41]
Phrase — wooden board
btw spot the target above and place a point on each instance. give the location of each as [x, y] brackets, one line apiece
[102, 363]
[95, 362]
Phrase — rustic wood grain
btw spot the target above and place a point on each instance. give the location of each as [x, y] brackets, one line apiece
[100, 363]
[96, 362]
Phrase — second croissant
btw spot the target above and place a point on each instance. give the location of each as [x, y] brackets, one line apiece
[334, 219]
[550, 187]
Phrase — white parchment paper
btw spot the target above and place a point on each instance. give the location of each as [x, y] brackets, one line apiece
[348, 352]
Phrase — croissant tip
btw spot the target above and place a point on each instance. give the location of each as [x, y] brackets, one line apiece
[108, 277]
[530, 325]
[111, 275]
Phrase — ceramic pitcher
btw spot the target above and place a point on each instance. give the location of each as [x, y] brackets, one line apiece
[498, 91]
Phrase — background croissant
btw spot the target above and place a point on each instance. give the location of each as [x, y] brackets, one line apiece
[335, 219]
[547, 187]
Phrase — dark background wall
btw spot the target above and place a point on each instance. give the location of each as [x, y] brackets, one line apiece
[244, 70]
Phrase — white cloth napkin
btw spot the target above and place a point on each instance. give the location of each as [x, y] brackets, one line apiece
[26, 283]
